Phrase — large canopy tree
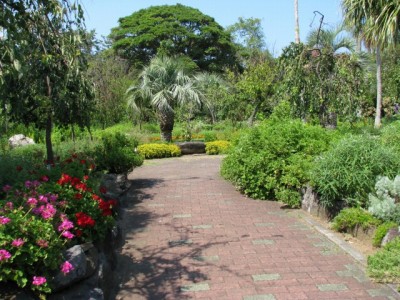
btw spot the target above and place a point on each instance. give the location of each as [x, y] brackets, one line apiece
[173, 30]
[42, 64]
[377, 22]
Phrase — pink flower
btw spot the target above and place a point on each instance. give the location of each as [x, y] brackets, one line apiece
[66, 267]
[37, 280]
[48, 211]
[18, 242]
[4, 254]
[43, 199]
[9, 206]
[65, 225]
[4, 220]
[67, 234]
[32, 201]
[42, 243]
[6, 188]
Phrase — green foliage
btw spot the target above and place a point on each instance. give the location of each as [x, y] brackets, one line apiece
[210, 136]
[381, 231]
[181, 29]
[217, 147]
[384, 266]
[390, 135]
[116, 154]
[159, 150]
[384, 204]
[350, 219]
[349, 169]
[272, 160]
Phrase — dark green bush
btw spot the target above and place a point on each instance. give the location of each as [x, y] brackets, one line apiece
[272, 160]
[116, 154]
[381, 231]
[384, 266]
[348, 171]
[349, 219]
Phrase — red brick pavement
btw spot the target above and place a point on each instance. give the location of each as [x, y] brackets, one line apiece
[190, 235]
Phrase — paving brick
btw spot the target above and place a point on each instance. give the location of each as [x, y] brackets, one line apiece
[190, 235]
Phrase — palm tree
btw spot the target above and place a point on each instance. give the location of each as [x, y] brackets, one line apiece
[165, 83]
[377, 22]
[332, 39]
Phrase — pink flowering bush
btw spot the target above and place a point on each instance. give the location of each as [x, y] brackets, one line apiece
[39, 219]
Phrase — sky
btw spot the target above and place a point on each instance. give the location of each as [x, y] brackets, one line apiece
[277, 16]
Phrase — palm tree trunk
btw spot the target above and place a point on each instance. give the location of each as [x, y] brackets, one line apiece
[378, 88]
[166, 119]
[49, 125]
[296, 22]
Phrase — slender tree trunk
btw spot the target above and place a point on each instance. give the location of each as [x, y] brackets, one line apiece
[296, 21]
[49, 125]
[378, 88]
[250, 121]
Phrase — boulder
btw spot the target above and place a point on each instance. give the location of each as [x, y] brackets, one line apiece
[391, 235]
[192, 147]
[19, 140]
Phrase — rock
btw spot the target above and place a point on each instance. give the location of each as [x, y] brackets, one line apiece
[85, 263]
[310, 203]
[192, 147]
[19, 140]
[390, 235]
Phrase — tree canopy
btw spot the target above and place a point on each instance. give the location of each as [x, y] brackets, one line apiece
[173, 30]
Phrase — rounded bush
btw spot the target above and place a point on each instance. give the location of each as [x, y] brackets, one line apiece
[348, 171]
[149, 151]
[217, 147]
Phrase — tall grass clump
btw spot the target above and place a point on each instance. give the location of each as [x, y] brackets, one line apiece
[348, 171]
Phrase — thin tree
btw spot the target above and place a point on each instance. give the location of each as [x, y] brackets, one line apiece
[296, 22]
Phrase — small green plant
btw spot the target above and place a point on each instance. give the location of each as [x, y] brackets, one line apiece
[384, 266]
[149, 151]
[350, 219]
[385, 203]
[348, 171]
[210, 136]
[116, 154]
[217, 147]
[381, 231]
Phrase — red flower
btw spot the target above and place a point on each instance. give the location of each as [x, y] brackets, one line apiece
[75, 181]
[65, 179]
[83, 161]
[78, 196]
[44, 178]
[78, 232]
[103, 190]
[74, 155]
[96, 197]
[18, 168]
[68, 161]
[86, 178]
[81, 186]
[83, 220]
[92, 167]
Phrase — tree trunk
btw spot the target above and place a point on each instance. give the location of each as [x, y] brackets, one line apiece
[378, 88]
[49, 125]
[49, 145]
[296, 21]
[250, 121]
[166, 119]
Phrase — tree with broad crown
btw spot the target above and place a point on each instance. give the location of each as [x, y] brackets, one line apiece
[173, 30]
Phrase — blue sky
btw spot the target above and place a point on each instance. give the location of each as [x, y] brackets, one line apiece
[277, 15]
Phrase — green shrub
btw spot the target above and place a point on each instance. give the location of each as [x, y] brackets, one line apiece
[272, 160]
[384, 266]
[349, 169]
[381, 231]
[217, 147]
[384, 203]
[159, 150]
[349, 219]
[210, 136]
[390, 135]
[116, 154]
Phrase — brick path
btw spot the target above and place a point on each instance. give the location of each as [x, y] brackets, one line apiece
[190, 235]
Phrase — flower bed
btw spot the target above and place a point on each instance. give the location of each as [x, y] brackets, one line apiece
[42, 218]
